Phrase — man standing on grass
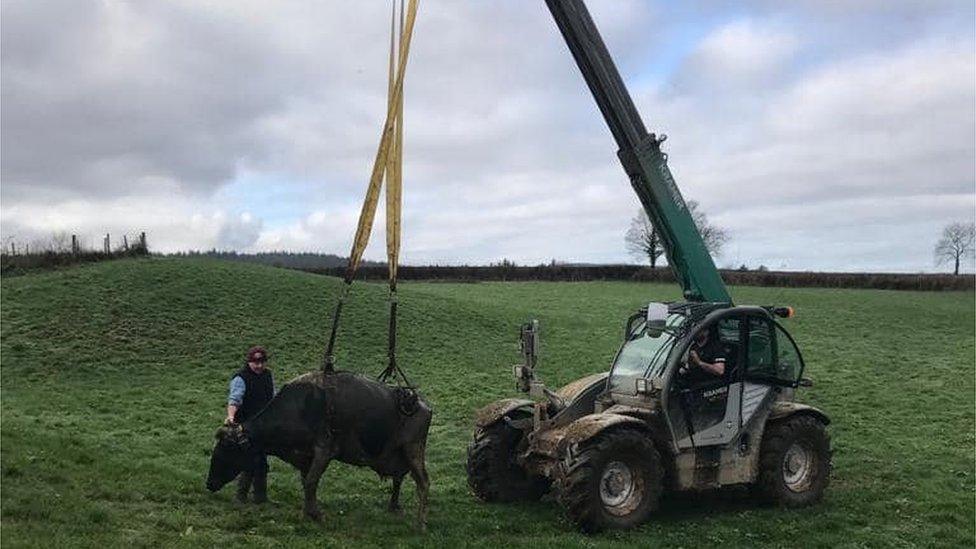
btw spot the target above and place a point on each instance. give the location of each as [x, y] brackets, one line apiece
[251, 388]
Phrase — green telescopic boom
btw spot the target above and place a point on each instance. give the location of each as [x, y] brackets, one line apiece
[641, 156]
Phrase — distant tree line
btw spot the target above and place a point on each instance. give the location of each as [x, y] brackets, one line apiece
[289, 260]
[508, 271]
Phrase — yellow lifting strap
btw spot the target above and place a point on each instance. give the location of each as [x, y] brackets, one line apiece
[387, 164]
[394, 171]
[394, 165]
[383, 158]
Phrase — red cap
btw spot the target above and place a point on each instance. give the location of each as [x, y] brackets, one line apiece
[257, 354]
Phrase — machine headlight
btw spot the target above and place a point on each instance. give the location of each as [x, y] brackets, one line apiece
[642, 386]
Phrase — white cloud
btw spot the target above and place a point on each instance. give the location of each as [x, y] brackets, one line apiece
[120, 116]
[899, 123]
[744, 52]
[173, 222]
[238, 232]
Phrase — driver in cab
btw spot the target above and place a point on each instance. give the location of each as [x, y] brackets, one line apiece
[705, 355]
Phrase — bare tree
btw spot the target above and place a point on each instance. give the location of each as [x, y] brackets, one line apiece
[643, 240]
[956, 244]
[8, 245]
[715, 237]
[60, 242]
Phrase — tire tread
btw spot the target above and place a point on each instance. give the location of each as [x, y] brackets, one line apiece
[776, 441]
[491, 474]
[576, 484]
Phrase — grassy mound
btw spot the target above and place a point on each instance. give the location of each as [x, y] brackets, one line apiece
[114, 378]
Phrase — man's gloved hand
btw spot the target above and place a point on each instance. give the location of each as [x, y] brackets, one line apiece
[229, 421]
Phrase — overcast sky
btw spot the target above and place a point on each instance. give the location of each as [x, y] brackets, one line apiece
[822, 135]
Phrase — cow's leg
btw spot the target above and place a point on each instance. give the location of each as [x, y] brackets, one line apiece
[416, 459]
[302, 461]
[244, 486]
[310, 482]
[394, 506]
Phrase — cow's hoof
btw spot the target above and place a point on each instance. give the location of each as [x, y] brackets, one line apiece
[313, 514]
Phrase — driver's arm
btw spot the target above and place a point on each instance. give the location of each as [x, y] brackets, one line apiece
[717, 368]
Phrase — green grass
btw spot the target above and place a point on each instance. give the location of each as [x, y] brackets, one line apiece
[114, 379]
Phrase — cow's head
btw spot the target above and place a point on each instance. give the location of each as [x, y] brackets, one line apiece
[231, 455]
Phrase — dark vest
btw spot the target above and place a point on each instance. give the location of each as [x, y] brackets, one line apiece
[258, 392]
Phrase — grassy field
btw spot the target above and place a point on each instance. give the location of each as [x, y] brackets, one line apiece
[114, 379]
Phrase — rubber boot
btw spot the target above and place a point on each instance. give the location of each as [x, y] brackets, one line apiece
[244, 487]
[261, 489]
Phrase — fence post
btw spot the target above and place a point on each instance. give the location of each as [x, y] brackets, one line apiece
[142, 240]
[108, 243]
[125, 243]
[13, 248]
[74, 244]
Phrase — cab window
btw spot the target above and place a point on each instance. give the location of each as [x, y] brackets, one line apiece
[761, 348]
[641, 355]
[772, 356]
[789, 363]
[730, 337]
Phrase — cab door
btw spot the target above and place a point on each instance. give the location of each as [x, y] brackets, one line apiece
[712, 418]
[704, 408]
[757, 375]
[760, 356]
[773, 358]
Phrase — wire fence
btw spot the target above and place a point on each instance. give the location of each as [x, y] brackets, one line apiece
[64, 250]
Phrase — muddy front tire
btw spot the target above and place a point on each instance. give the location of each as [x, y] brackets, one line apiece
[794, 462]
[493, 473]
[612, 481]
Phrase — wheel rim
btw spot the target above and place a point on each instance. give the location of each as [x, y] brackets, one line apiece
[621, 488]
[798, 467]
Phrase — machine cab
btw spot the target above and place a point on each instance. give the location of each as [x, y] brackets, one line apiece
[710, 371]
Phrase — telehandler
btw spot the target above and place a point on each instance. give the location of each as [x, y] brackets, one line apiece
[700, 394]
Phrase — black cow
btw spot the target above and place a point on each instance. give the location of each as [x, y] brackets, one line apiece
[319, 417]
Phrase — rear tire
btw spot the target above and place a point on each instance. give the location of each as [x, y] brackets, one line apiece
[614, 480]
[794, 462]
[493, 473]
